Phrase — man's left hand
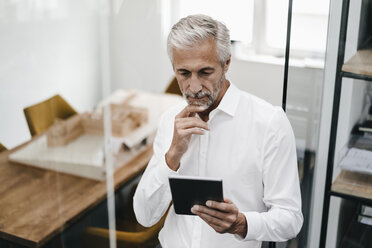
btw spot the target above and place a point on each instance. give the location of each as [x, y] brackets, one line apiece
[223, 217]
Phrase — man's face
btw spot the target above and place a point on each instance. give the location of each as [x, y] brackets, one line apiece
[200, 74]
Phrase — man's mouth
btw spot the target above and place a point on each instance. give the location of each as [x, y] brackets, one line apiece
[197, 98]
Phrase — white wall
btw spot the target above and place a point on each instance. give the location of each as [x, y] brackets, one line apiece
[139, 58]
[46, 48]
[265, 79]
[261, 79]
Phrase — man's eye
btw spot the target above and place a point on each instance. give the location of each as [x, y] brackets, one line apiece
[205, 73]
[185, 74]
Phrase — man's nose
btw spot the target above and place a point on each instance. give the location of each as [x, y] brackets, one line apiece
[195, 85]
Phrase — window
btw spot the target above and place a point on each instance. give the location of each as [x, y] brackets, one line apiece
[309, 24]
[262, 24]
[236, 14]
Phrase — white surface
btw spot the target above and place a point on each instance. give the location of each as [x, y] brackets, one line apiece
[87, 149]
[83, 156]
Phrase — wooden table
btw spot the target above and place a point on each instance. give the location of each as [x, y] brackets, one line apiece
[37, 204]
[353, 184]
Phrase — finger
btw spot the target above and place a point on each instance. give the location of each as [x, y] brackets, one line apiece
[222, 206]
[198, 209]
[189, 122]
[190, 109]
[189, 131]
[217, 224]
[211, 220]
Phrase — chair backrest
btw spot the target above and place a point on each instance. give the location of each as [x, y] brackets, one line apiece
[41, 116]
[173, 87]
[2, 148]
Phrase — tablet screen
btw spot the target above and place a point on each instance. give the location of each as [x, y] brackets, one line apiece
[188, 191]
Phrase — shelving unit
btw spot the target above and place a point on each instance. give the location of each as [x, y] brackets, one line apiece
[348, 185]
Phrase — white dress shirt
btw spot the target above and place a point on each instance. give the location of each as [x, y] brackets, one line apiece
[251, 146]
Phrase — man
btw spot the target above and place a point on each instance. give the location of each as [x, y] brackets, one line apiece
[220, 132]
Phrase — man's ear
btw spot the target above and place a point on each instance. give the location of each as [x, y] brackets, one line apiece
[227, 64]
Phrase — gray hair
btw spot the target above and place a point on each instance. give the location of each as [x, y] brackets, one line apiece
[193, 29]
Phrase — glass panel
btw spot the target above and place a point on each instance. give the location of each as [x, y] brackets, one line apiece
[83, 104]
[304, 92]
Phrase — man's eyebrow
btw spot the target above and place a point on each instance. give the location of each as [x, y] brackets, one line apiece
[207, 69]
[202, 69]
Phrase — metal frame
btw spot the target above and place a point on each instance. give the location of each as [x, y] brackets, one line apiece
[287, 51]
[334, 122]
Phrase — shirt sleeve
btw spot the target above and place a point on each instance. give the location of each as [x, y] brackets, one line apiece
[153, 196]
[282, 196]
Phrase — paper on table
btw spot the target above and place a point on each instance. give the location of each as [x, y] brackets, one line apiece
[367, 211]
[365, 220]
[357, 160]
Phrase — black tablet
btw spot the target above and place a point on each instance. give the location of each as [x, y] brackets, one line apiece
[188, 191]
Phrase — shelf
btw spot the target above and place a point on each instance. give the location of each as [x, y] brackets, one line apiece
[353, 185]
[356, 76]
[360, 64]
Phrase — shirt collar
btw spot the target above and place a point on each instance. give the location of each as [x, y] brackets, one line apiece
[230, 100]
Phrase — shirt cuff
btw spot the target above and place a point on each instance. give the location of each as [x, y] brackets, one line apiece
[164, 171]
[254, 230]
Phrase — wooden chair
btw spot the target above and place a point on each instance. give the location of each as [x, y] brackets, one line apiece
[129, 233]
[41, 116]
[2, 148]
[173, 87]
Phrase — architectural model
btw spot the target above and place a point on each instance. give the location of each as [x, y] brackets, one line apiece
[124, 119]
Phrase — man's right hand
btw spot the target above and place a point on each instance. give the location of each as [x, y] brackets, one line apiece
[185, 124]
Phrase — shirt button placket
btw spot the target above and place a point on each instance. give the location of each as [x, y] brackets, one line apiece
[203, 153]
[196, 234]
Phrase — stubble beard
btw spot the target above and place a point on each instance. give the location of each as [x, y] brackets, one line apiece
[211, 96]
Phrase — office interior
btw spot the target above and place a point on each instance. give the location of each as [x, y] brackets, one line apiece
[87, 51]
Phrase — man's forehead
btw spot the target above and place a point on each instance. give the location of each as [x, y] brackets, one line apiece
[203, 55]
[195, 63]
